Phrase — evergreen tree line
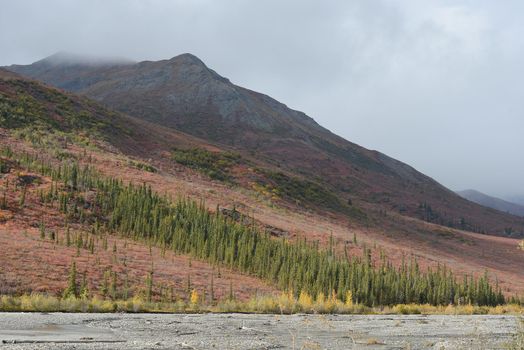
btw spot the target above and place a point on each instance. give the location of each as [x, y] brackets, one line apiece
[187, 227]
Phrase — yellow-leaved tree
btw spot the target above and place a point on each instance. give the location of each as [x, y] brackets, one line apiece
[195, 298]
[349, 298]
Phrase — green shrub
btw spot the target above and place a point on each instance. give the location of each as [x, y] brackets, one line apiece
[216, 165]
[302, 192]
[47, 117]
[4, 167]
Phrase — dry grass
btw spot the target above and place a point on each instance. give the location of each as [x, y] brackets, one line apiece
[411, 309]
[283, 304]
[373, 341]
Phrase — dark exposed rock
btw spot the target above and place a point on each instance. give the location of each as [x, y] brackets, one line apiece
[237, 216]
[25, 180]
[277, 232]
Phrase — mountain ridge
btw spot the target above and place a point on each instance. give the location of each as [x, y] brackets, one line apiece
[492, 202]
[182, 93]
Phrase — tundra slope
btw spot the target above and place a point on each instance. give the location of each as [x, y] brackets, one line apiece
[184, 94]
[53, 124]
[116, 146]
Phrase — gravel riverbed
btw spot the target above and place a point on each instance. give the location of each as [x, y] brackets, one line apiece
[248, 331]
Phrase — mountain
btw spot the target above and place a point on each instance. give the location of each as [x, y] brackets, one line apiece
[183, 94]
[44, 128]
[492, 202]
[515, 199]
[5, 74]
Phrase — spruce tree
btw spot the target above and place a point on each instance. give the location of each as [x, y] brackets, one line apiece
[104, 287]
[113, 286]
[3, 203]
[72, 288]
[126, 288]
[149, 286]
[188, 283]
[212, 289]
[231, 296]
[42, 230]
[187, 227]
[84, 288]
[22, 197]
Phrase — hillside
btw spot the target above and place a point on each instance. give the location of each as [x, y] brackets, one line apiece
[185, 95]
[492, 202]
[40, 241]
[45, 131]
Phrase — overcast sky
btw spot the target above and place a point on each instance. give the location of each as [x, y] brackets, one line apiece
[436, 84]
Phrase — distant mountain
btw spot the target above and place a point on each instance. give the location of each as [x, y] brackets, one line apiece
[515, 199]
[182, 93]
[492, 202]
[57, 68]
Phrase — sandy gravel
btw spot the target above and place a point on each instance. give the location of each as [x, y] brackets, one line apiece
[240, 331]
